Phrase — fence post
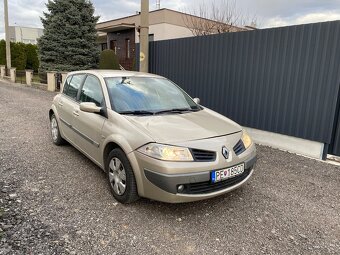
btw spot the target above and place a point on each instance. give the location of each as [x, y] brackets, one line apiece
[29, 76]
[51, 81]
[3, 71]
[13, 74]
[63, 78]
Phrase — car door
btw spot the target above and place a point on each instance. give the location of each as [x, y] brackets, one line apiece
[67, 103]
[88, 126]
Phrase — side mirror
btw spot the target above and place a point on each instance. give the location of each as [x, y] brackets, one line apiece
[197, 100]
[89, 107]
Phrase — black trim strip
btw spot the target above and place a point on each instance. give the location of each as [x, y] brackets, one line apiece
[85, 137]
[65, 122]
[80, 133]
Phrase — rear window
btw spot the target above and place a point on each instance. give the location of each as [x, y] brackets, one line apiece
[74, 85]
[67, 83]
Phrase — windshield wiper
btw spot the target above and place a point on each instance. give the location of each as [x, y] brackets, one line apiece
[177, 110]
[138, 112]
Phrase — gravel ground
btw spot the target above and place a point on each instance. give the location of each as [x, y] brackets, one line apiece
[53, 200]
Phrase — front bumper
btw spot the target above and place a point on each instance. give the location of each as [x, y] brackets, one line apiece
[159, 180]
[197, 183]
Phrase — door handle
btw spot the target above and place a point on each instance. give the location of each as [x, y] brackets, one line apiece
[75, 113]
[60, 103]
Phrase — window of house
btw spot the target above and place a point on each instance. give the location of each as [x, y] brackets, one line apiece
[113, 46]
[127, 48]
[151, 37]
[104, 46]
[92, 91]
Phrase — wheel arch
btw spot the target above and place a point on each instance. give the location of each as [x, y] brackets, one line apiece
[50, 113]
[54, 111]
[114, 142]
[107, 149]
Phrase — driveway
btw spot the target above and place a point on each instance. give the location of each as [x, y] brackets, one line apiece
[53, 200]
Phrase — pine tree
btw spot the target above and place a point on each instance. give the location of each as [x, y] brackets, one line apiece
[69, 40]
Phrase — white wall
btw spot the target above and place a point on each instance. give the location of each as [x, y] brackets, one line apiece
[288, 143]
[164, 31]
[27, 34]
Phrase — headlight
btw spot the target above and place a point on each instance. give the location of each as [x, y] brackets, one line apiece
[246, 139]
[166, 152]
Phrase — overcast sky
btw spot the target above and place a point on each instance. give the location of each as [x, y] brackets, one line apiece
[269, 13]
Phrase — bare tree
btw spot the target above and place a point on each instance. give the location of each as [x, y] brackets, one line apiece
[214, 18]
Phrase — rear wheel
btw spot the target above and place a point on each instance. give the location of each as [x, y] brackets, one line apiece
[55, 133]
[121, 177]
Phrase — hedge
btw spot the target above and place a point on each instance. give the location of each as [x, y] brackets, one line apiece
[108, 60]
[23, 56]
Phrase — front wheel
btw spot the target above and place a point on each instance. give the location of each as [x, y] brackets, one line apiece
[121, 177]
[55, 133]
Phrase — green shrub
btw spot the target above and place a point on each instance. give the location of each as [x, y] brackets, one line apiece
[108, 60]
[23, 56]
[18, 55]
[32, 62]
[2, 52]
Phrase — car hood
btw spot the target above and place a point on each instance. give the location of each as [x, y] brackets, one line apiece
[171, 128]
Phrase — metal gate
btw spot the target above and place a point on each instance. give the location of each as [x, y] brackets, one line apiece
[334, 147]
[282, 80]
[58, 81]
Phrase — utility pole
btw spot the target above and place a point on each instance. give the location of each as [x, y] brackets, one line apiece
[8, 44]
[144, 37]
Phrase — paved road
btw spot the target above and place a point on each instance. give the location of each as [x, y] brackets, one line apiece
[54, 200]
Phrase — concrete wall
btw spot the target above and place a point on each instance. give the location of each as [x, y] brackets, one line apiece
[165, 31]
[287, 143]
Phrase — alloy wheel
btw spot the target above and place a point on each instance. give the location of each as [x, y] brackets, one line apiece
[54, 129]
[117, 176]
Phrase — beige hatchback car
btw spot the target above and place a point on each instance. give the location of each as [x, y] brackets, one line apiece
[150, 137]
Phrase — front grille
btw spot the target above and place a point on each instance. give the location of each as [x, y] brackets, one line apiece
[208, 187]
[202, 155]
[239, 148]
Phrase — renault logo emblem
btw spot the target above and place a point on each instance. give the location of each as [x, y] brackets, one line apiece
[225, 152]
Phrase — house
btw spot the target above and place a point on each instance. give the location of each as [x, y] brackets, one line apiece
[25, 34]
[121, 35]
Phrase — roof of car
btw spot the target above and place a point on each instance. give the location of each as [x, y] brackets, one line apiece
[116, 73]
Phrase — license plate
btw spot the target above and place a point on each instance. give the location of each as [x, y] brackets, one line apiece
[223, 174]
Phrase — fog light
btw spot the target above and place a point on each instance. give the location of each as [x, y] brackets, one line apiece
[180, 188]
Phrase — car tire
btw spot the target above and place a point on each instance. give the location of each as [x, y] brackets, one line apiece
[55, 132]
[121, 178]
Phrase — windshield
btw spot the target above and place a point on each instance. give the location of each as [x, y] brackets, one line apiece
[147, 95]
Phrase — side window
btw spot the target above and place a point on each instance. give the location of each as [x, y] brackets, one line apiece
[66, 84]
[74, 85]
[92, 91]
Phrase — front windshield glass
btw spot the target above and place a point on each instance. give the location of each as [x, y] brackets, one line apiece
[146, 94]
